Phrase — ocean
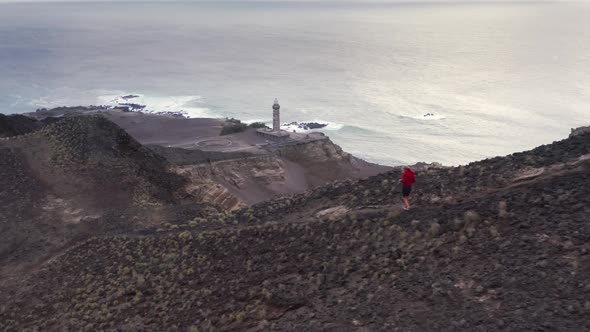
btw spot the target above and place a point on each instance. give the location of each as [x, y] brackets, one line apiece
[397, 83]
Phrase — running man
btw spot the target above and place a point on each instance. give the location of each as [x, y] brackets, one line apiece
[407, 181]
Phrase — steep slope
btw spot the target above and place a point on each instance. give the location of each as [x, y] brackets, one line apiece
[439, 185]
[13, 125]
[504, 246]
[234, 179]
[75, 177]
[237, 169]
[16, 124]
[241, 161]
[64, 178]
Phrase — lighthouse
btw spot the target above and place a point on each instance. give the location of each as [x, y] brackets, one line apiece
[276, 116]
[275, 134]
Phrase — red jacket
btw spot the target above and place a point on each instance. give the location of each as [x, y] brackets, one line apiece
[408, 178]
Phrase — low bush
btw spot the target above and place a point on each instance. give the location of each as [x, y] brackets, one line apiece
[258, 125]
[233, 126]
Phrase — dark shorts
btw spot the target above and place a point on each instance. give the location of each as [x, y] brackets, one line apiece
[406, 191]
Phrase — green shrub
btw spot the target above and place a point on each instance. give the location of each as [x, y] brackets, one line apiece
[240, 316]
[258, 125]
[185, 236]
[434, 229]
[232, 120]
[233, 127]
[197, 221]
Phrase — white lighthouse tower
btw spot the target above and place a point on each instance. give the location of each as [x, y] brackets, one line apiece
[276, 116]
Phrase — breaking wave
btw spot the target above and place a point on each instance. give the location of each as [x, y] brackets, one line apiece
[188, 106]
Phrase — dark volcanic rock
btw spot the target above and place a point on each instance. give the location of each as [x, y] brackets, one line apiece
[127, 97]
[58, 184]
[307, 125]
[497, 245]
[580, 131]
[66, 111]
[14, 125]
[132, 106]
[312, 125]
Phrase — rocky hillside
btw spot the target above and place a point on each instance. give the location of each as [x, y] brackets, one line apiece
[498, 245]
[237, 169]
[13, 125]
[232, 180]
[78, 176]
[439, 185]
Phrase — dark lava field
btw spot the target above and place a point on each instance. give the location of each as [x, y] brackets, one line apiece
[497, 245]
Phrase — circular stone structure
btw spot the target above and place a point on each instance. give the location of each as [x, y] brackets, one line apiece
[213, 143]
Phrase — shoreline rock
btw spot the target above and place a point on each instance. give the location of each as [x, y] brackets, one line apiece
[306, 125]
[580, 131]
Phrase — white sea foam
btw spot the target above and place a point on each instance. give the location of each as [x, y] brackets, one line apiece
[48, 102]
[293, 128]
[250, 121]
[188, 106]
[330, 126]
